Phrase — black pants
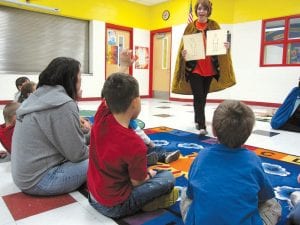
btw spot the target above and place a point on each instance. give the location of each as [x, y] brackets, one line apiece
[200, 86]
[293, 123]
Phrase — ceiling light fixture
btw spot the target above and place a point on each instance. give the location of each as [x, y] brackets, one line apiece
[30, 5]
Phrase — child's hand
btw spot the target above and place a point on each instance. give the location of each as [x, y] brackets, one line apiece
[152, 172]
[227, 45]
[184, 53]
[151, 144]
[127, 58]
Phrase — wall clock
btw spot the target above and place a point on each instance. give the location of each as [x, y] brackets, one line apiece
[166, 14]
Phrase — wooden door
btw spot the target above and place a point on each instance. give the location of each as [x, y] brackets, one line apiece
[117, 38]
[161, 64]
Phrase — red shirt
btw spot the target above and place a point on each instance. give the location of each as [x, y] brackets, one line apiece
[204, 67]
[6, 133]
[116, 155]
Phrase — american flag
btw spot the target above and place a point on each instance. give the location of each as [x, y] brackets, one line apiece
[190, 18]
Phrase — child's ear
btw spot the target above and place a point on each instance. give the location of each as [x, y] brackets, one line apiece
[135, 101]
[14, 119]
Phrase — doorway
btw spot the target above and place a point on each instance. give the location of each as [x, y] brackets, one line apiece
[117, 38]
[161, 63]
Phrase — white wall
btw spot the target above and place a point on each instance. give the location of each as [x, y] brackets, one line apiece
[8, 87]
[91, 83]
[254, 83]
[141, 38]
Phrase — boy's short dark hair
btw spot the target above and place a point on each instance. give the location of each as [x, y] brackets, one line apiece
[233, 122]
[9, 111]
[119, 90]
[20, 81]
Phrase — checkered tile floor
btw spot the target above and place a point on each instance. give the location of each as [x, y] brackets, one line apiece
[18, 208]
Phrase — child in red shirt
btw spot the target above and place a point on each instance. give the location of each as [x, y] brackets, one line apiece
[7, 128]
[119, 182]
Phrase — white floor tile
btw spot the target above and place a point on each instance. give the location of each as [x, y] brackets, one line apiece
[73, 214]
[6, 217]
[182, 118]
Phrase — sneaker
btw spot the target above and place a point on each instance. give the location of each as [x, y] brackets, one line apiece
[152, 158]
[295, 198]
[172, 156]
[203, 132]
[162, 202]
[3, 154]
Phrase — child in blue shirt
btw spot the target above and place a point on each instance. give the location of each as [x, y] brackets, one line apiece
[155, 154]
[227, 184]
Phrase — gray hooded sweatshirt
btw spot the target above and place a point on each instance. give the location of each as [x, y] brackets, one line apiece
[47, 134]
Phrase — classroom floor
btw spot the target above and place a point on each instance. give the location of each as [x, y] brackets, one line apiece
[16, 208]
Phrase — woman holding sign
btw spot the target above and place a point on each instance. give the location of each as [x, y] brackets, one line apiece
[203, 74]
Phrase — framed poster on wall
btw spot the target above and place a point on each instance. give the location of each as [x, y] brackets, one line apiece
[142, 54]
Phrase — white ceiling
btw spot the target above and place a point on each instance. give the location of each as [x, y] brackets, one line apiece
[148, 2]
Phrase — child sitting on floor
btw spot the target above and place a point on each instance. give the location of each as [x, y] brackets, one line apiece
[119, 182]
[26, 90]
[86, 127]
[7, 129]
[287, 117]
[20, 81]
[227, 184]
[155, 154]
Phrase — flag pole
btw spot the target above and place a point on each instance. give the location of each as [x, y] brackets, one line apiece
[190, 16]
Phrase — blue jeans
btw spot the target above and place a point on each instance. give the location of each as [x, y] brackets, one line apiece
[294, 216]
[162, 183]
[61, 179]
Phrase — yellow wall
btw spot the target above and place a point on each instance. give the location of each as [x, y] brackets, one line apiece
[179, 10]
[119, 12]
[246, 10]
[130, 14]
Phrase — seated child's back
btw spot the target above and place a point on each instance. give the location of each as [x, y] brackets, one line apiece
[227, 182]
[7, 129]
[119, 181]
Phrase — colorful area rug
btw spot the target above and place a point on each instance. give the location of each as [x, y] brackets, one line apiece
[281, 168]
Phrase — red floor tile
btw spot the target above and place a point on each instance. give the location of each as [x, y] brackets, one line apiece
[21, 205]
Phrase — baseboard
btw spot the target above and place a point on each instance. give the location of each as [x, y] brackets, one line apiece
[162, 95]
[264, 104]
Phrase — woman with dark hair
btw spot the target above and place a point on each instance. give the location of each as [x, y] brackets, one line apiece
[199, 77]
[49, 156]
